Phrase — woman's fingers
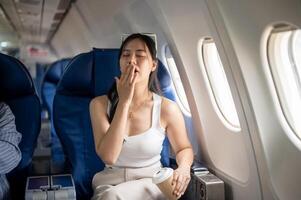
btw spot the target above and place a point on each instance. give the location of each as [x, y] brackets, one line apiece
[175, 182]
[178, 185]
[126, 83]
[123, 75]
[128, 74]
[181, 188]
[134, 78]
[175, 178]
[131, 74]
[180, 182]
[184, 185]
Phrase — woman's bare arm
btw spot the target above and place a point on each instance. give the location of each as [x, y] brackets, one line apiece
[108, 137]
[177, 135]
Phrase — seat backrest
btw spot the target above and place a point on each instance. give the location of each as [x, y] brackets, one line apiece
[165, 82]
[49, 83]
[50, 80]
[88, 75]
[18, 91]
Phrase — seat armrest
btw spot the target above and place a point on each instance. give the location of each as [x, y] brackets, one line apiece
[198, 167]
[195, 167]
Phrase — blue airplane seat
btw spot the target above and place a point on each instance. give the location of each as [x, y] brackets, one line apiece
[88, 75]
[48, 88]
[165, 82]
[72, 121]
[40, 73]
[168, 92]
[18, 91]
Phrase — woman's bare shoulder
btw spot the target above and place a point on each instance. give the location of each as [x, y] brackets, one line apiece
[99, 101]
[169, 108]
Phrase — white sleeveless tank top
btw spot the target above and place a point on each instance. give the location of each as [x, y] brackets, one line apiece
[144, 149]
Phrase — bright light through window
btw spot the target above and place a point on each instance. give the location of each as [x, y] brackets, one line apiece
[4, 44]
[218, 85]
[284, 52]
[296, 50]
[176, 82]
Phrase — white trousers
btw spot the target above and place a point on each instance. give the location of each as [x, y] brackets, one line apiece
[126, 184]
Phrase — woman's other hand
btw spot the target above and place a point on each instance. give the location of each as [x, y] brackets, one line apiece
[181, 178]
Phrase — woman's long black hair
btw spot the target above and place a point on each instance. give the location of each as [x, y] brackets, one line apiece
[153, 83]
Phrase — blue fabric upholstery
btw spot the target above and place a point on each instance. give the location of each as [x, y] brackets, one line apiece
[48, 88]
[88, 75]
[165, 82]
[40, 73]
[18, 91]
[72, 121]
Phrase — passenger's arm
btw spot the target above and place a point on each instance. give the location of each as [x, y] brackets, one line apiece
[108, 138]
[177, 135]
[10, 154]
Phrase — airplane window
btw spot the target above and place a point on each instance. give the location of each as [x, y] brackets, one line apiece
[218, 85]
[176, 82]
[284, 50]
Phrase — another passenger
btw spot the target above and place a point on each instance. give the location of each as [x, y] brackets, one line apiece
[10, 154]
[130, 124]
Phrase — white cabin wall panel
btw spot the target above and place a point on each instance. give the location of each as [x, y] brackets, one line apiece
[99, 17]
[141, 18]
[101, 24]
[185, 35]
[160, 13]
[234, 159]
[245, 22]
[108, 20]
[72, 37]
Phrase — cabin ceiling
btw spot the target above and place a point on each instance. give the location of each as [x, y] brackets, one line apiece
[30, 21]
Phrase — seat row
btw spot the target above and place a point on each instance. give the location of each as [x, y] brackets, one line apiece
[67, 93]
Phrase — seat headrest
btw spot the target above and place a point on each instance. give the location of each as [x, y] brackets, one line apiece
[55, 71]
[18, 83]
[106, 68]
[163, 76]
[77, 80]
[165, 82]
[83, 81]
